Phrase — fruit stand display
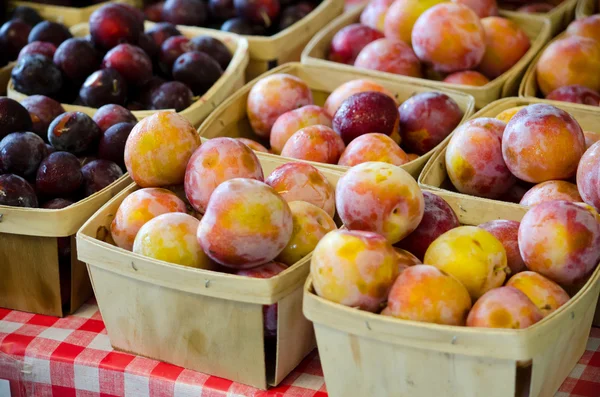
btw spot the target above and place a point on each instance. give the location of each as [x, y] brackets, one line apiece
[585, 8]
[231, 118]
[506, 80]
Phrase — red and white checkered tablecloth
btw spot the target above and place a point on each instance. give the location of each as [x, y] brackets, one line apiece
[72, 357]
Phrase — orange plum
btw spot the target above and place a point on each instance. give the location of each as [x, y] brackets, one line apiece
[373, 147]
[293, 121]
[549, 191]
[544, 293]
[504, 307]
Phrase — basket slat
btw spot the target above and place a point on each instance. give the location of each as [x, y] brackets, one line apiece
[585, 8]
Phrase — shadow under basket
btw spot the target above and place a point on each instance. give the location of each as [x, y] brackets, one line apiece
[203, 320]
[33, 276]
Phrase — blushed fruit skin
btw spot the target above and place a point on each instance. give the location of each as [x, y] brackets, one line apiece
[506, 44]
[137, 209]
[560, 240]
[504, 307]
[575, 94]
[131, 62]
[159, 148]
[185, 12]
[507, 232]
[109, 115]
[542, 143]
[112, 25]
[426, 294]
[171, 49]
[406, 259]
[257, 147]
[354, 268]
[380, 198]
[588, 176]
[543, 292]
[98, 174]
[467, 77]
[314, 143]
[426, 119]
[213, 47]
[42, 111]
[161, 31]
[374, 13]
[346, 90]
[51, 32]
[349, 41]
[273, 96]
[13, 37]
[21, 153]
[401, 16]
[450, 37]
[77, 59]
[16, 192]
[549, 191]
[73, 132]
[483, 8]
[391, 56]
[38, 47]
[373, 147]
[59, 175]
[303, 182]
[13, 117]
[246, 224]
[293, 121]
[364, 113]
[216, 161]
[171, 238]
[474, 160]
[590, 138]
[569, 61]
[103, 87]
[507, 115]
[311, 223]
[585, 27]
[471, 254]
[438, 218]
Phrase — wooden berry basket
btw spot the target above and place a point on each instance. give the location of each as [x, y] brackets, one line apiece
[585, 8]
[199, 319]
[5, 76]
[230, 119]
[69, 16]
[536, 28]
[231, 80]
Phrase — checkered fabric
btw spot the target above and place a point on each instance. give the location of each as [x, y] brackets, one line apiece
[72, 357]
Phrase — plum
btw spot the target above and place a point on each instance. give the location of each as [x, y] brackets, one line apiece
[98, 174]
[507, 233]
[171, 49]
[185, 12]
[77, 58]
[38, 47]
[171, 95]
[292, 14]
[221, 9]
[131, 62]
[213, 47]
[112, 143]
[259, 12]
[42, 111]
[112, 25]
[13, 37]
[27, 15]
[314, 143]
[59, 175]
[575, 94]
[13, 117]
[16, 192]
[109, 115]
[105, 86]
[373, 147]
[21, 153]
[241, 26]
[391, 56]
[347, 43]
[51, 32]
[37, 74]
[147, 44]
[504, 307]
[73, 132]
[293, 121]
[162, 31]
[197, 70]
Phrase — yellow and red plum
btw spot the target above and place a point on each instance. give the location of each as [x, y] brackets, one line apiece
[504, 307]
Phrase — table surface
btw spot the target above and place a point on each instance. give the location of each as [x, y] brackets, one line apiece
[72, 357]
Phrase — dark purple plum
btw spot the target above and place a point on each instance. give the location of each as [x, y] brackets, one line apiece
[37, 74]
[112, 143]
[13, 117]
[112, 25]
[27, 15]
[21, 153]
[103, 87]
[185, 12]
[293, 14]
[73, 132]
[171, 95]
[136, 12]
[109, 115]
[243, 27]
[57, 204]
[221, 9]
[16, 192]
[213, 47]
[38, 47]
[13, 37]
[86, 159]
[172, 49]
[131, 62]
[64, 243]
[153, 12]
[162, 31]
[42, 111]
[59, 175]
[147, 44]
[145, 92]
[77, 58]
[51, 32]
[259, 12]
[49, 149]
[197, 70]
[98, 174]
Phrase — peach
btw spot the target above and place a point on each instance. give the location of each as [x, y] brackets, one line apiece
[354, 268]
[542, 142]
[293, 121]
[474, 159]
[472, 255]
[551, 190]
[544, 293]
[468, 77]
[315, 143]
[426, 294]
[252, 144]
[438, 218]
[391, 56]
[373, 147]
[346, 90]
[575, 94]
[158, 149]
[506, 43]
[137, 209]
[216, 161]
[588, 176]
[506, 115]
[483, 8]
[504, 307]
[449, 37]
[303, 182]
[585, 27]
[381, 198]
[311, 223]
[271, 97]
[171, 237]
[426, 119]
[349, 41]
[246, 224]
[374, 13]
[402, 15]
[590, 138]
[569, 61]
[507, 232]
[536, 8]
[560, 240]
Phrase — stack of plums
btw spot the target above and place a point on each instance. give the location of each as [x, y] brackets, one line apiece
[247, 17]
[121, 64]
